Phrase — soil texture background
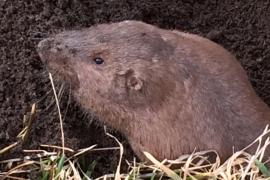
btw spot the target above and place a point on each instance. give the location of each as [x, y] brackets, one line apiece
[241, 26]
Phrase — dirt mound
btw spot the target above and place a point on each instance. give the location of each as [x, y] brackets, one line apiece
[240, 26]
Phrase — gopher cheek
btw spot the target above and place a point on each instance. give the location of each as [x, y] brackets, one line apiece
[74, 81]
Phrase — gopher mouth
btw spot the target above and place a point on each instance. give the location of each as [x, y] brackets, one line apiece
[65, 75]
[57, 63]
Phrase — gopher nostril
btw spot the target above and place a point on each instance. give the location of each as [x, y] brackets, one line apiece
[45, 44]
[43, 47]
[73, 51]
[58, 48]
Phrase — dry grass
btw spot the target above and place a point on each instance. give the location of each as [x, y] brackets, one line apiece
[53, 164]
[63, 162]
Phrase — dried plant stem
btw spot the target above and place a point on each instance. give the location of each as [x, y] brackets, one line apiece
[59, 112]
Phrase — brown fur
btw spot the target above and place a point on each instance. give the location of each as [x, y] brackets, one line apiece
[168, 92]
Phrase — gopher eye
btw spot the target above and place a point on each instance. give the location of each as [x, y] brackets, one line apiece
[98, 60]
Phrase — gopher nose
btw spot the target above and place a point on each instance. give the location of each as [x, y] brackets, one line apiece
[44, 47]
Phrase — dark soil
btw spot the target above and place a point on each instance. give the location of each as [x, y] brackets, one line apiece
[241, 26]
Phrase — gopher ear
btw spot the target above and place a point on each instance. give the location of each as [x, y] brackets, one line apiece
[134, 83]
